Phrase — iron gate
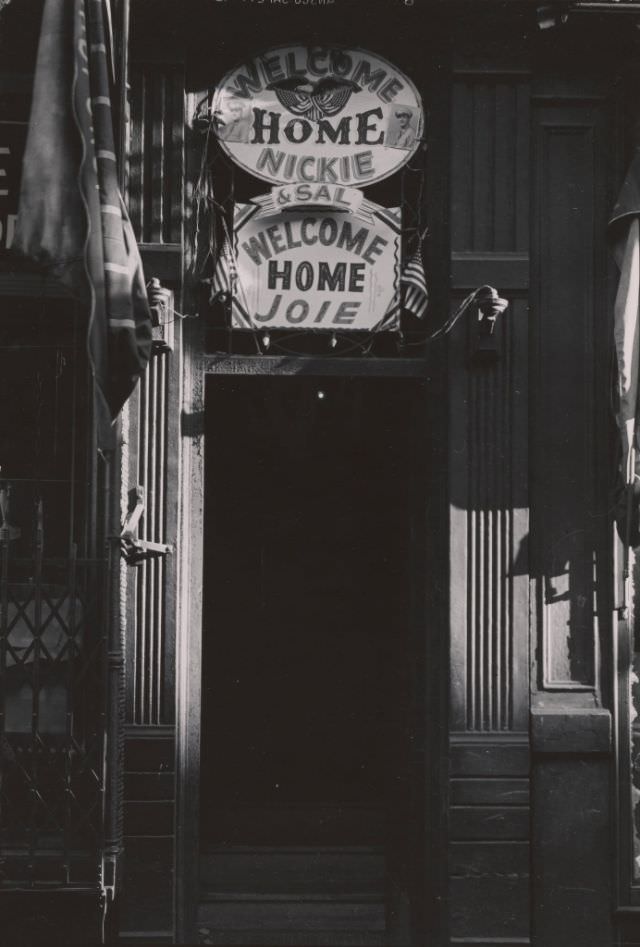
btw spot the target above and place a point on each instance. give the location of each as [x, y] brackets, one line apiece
[53, 607]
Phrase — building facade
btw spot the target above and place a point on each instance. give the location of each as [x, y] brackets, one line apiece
[336, 647]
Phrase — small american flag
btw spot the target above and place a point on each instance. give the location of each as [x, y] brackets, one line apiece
[414, 284]
[225, 272]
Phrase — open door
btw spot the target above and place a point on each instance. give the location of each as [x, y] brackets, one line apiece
[308, 714]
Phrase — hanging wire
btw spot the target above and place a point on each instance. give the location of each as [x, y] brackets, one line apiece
[204, 198]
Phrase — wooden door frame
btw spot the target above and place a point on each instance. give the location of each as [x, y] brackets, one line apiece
[189, 625]
[431, 596]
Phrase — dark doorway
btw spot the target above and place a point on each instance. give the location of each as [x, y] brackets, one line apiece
[309, 714]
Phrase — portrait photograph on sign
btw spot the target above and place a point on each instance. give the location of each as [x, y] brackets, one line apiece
[403, 128]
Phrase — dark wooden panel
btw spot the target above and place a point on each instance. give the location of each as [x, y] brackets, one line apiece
[489, 791]
[493, 858]
[496, 906]
[294, 871]
[490, 941]
[146, 937]
[569, 524]
[489, 822]
[268, 826]
[571, 849]
[628, 927]
[486, 758]
[156, 152]
[490, 162]
[149, 818]
[492, 907]
[292, 916]
[149, 786]
[490, 892]
[508, 271]
[259, 938]
[489, 524]
[149, 753]
[571, 731]
[149, 811]
[147, 895]
[488, 404]
[163, 261]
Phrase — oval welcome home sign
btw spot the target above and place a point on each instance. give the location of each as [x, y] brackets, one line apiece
[318, 115]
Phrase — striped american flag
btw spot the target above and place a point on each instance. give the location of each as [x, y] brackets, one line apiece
[71, 216]
[414, 285]
[224, 275]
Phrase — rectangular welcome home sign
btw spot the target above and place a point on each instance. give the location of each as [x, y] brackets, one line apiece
[316, 267]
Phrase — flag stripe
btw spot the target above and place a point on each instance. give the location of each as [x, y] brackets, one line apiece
[414, 285]
[624, 234]
[71, 217]
[122, 323]
[119, 320]
[225, 271]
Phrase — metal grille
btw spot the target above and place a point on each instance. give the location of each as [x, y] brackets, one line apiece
[52, 614]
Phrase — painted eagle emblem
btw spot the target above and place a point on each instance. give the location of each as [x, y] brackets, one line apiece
[312, 100]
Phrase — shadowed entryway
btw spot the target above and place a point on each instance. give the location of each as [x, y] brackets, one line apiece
[308, 710]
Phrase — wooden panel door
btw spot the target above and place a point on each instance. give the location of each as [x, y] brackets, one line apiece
[308, 810]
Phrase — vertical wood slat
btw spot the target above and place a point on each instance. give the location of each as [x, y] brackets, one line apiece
[138, 111]
[488, 539]
[156, 152]
[156, 203]
[569, 524]
[176, 178]
[490, 161]
[488, 413]
[141, 614]
[157, 159]
[504, 210]
[150, 584]
[482, 157]
[461, 168]
[522, 145]
[147, 664]
[161, 526]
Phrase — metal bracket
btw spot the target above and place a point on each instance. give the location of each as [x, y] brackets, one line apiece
[7, 532]
[108, 869]
[134, 550]
[487, 347]
[161, 304]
